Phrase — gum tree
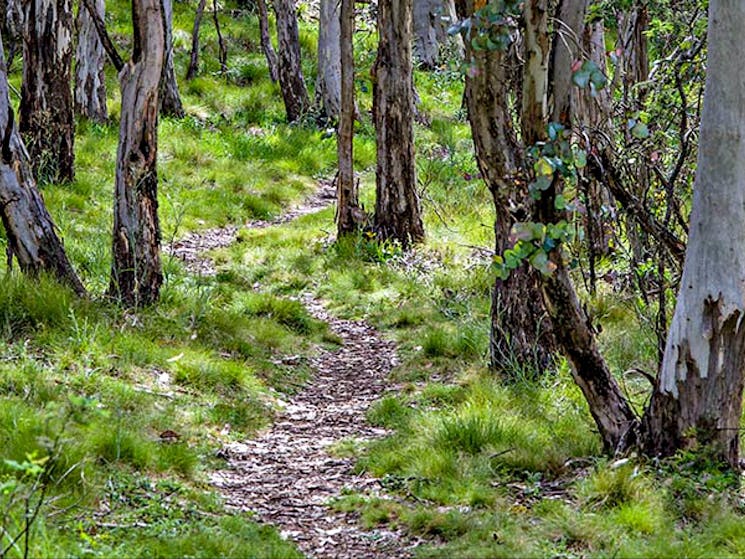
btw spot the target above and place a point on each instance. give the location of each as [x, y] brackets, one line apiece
[136, 274]
[349, 216]
[697, 398]
[397, 212]
[90, 86]
[32, 236]
[520, 327]
[328, 82]
[291, 80]
[46, 111]
[170, 98]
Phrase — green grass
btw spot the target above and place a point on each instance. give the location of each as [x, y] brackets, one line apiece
[477, 468]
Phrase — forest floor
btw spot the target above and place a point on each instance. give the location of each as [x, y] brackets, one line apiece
[290, 473]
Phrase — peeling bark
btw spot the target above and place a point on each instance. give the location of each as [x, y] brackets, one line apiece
[90, 85]
[136, 274]
[521, 330]
[46, 113]
[31, 233]
[613, 415]
[697, 400]
[397, 212]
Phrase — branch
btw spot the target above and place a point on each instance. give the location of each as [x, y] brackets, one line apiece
[103, 36]
[605, 173]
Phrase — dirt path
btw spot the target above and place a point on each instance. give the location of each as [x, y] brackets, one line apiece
[286, 475]
[191, 248]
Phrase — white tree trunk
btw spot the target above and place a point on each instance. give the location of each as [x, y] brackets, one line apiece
[90, 88]
[328, 84]
[698, 399]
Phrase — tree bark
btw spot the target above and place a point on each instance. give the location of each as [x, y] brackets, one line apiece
[328, 82]
[46, 113]
[613, 415]
[397, 212]
[194, 59]
[521, 330]
[697, 401]
[266, 41]
[426, 27]
[90, 84]
[103, 36]
[170, 98]
[291, 81]
[29, 228]
[349, 215]
[136, 271]
[13, 15]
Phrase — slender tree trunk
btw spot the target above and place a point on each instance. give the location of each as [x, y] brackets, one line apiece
[136, 271]
[266, 41]
[697, 401]
[611, 411]
[170, 98]
[31, 234]
[520, 326]
[291, 81]
[397, 212]
[349, 215]
[194, 59]
[90, 86]
[328, 83]
[222, 47]
[46, 114]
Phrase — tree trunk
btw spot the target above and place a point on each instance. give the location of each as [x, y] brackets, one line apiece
[266, 41]
[222, 47]
[136, 271]
[328, 83]
[194, 59]
[291, 81]
[697, 401]
[397, 213]
[170, 98]
[349, 215]
[31, 234]
[612, 413]
[520, 326]
[13, 15]
[90, 86]
[448, 17]
[426, 27]
[46, 113]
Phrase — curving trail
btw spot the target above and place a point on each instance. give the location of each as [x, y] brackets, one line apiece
[286, 475]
